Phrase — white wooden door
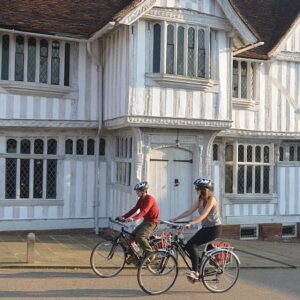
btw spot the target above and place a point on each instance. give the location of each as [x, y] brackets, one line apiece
[170, 180]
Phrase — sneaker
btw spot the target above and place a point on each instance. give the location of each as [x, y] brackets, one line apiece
[130, 259]
[192, 275]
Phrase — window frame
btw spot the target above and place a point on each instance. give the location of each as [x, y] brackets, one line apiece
[64, 53]
[235, 164]
[199, 81]
[123, 160]
[32, 156]
[237, 99]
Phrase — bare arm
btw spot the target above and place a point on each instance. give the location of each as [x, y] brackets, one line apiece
[187, 212]
[212, 202]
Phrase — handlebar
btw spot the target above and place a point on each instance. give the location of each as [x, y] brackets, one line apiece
[118, 221]
[177, 225]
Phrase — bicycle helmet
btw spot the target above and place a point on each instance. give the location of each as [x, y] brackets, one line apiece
[141, 186]
[203, 183]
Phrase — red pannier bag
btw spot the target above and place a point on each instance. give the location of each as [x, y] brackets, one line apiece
[222, 258]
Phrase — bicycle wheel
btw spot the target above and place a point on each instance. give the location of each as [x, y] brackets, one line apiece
[107, 259]
[157, 273]
[220, 270]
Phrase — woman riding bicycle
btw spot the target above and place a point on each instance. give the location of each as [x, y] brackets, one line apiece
[208, 208]
[149, 211]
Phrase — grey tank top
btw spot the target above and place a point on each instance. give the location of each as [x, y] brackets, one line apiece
[213, 218]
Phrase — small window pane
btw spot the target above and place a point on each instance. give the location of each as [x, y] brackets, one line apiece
[229, 152]
[215, 151]
[38, 179]
[10, 178]
[55, 62]
[201, 53]
[11, 146]
[24, 178]
[170, 50]
[235, 80]
[228, 179]
[102, 147]
[266, 187]
[19, 59]
[67, 64]
[180, 51]
[90, 147]
[38, 146]
[51, 178]
[25, 147]
[244, 79]
[249, 179]
[241, 153]
[156, 48]
[298, 153]
[79, 147]
[31, 62]
[257, 179]
[266, 154]
[241, 181]
[249, 153]
[257, 154]
[52, 146]
[44, 61]
[69, 146]
[130, 148]
[281, 152]
[5, 57]
[191, 51]
[292, 153]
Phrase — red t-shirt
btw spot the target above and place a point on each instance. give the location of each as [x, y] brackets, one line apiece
[148, 209]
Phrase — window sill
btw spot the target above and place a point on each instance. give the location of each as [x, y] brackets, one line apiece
[31, 202]
[184, 82]
[250, 199]
[239, 103]
[39, 89]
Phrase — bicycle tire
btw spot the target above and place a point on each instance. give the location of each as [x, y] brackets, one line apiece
[220, 270]
[107, 259]
[159, 275]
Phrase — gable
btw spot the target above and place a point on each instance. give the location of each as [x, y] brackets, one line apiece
[270, 20]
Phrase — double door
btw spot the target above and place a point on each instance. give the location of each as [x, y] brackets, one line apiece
[171, 181]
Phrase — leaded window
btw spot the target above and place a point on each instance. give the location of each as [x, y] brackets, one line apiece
[55, 63]
[243, 79]
[31, 60]
[19, 59]
[248, 168]
[44, 60]
[102, 147]
[5, 57]
[30, 160]
[289, 152]
[156, 48]
[170, 50]
[69, 146]
[90, 147]
[123, 160]
[79, 147]
[185, 50]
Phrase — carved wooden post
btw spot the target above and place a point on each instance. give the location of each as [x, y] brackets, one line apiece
[30, 247]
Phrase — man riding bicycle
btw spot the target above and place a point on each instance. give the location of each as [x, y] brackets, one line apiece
[149, 211]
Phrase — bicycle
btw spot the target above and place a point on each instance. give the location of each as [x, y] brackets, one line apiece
[218, 269]
[108, 258]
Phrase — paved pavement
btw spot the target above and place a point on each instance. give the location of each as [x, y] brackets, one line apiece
[71, 249]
